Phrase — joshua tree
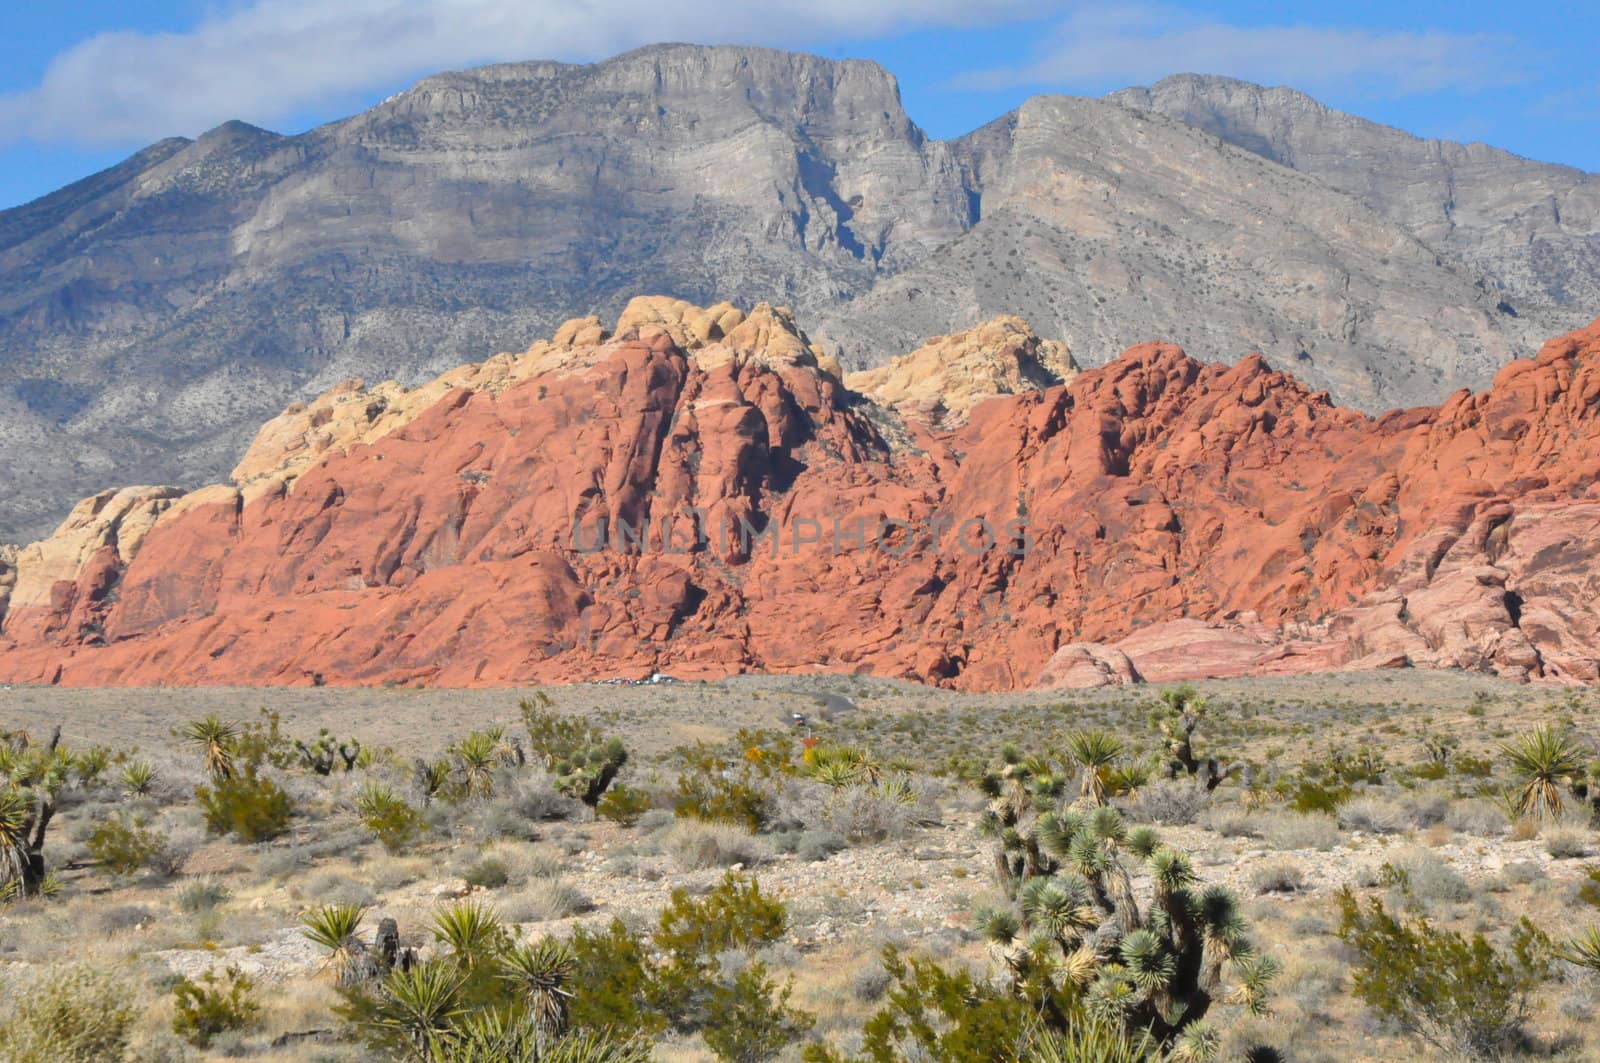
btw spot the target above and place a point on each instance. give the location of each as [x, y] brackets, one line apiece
[1095, 752]
[1018, 791]
[33, 782]
[320, 753]
[1544, 760]
[1179, 712]
[215, 740]
[1077, 940]
[138, 778]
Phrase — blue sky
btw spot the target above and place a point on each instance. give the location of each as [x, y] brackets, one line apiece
[84, 84]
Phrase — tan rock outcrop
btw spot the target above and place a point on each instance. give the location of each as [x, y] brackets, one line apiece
[940, 382]
[1082, 665]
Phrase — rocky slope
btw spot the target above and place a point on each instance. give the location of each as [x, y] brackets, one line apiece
[1153, 518]
[153, 315]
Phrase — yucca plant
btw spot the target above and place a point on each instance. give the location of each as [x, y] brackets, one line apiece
[16, 816]
[1088, 1042]
[138, 778]
[215, 740]
[472, 931]
[539, 975]
[1094, 752]
[335, 928]
[1543, 761]
[1583, 950]
[419, 1004]
[477, 755]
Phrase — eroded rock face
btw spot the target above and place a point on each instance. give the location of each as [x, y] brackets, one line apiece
[535, 517]
[940, 382]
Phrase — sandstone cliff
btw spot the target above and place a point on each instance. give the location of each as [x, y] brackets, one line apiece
[1153, 518]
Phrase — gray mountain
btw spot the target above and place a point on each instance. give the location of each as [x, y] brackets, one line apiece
[152, 315]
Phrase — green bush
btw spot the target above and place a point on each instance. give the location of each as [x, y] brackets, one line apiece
[748, 1018]
[213, 1004]
[715, 788]
[392, 821]
[124, 845]
[1462, 996]
[490, 873]
[675, 977]
[68, 1015]
[623, 805]
[934, 1013]
[248, 805]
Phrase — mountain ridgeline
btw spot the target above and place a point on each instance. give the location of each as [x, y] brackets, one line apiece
[154, 314]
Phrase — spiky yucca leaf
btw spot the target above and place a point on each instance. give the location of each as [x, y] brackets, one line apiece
[334, 927]
[16, 814]
[1142, 841]
[1088, 1042]
[1000, 926]
[473, 932]
[420, 1003]
[1583, 950]
[138, 778]
[1199, 1043]
[540, 974]
[1148, 962]
[1255, 973]
[1543, 761]
[215, 739]
[1094, 751]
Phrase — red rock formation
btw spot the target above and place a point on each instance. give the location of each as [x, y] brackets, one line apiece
[1156, 518]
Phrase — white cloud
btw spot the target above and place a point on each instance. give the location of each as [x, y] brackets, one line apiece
[271, 59]
[1133, 44]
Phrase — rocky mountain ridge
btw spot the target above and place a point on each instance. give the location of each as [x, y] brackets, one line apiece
[153, 315]
[535, 517]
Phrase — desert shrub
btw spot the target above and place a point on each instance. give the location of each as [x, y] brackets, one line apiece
[1289, 830]
[392, 821]
[339, 889]
[248, 805]
[1566, 843]
[1462, 996]
[213, 1004]
[123, 917]
[536, 798]
[1375, 815]
[1232, 822]
[715, 787]
[936, 1013]
[201, 895]
[1281, 876]
[545, 900]
[696, 845]
[1172, 802]
[679, 976]
[490, 873]
[124, 845]
[869, 813]
[1312, 796]
[68, 1015]
[1422, 876]
[814, 845]
[748, 1017]
[1425, 808]
[1475, 815]
[623, 805]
